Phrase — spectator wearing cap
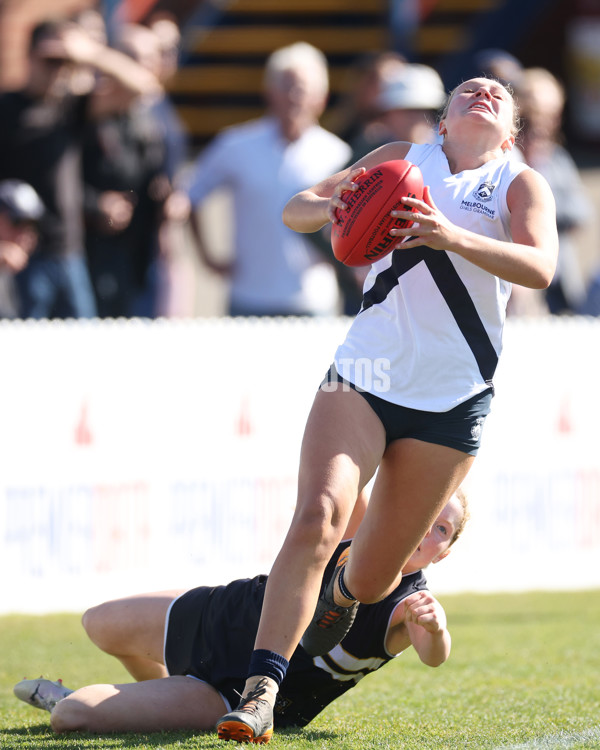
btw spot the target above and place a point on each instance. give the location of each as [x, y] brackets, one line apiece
[406, 108]
[361, 87]
[21, 210]
[409, 102]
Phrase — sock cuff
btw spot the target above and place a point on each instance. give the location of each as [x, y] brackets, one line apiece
[344, 590]
[268, 664]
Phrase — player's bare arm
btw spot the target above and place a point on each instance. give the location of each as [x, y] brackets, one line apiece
[76, 45]
[420, 621]
[313, 208]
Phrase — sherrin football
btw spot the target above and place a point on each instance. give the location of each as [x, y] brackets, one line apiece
[362, 232]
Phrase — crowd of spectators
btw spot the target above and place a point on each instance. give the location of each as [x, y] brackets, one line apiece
[93, 146]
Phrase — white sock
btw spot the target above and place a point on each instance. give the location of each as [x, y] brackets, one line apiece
[270, 686]
[341, 595]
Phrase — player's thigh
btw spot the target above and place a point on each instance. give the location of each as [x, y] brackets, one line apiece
[131, 626]
[414, 482]
[343, 443]
[177, 702]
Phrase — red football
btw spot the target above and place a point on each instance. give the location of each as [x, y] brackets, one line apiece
[362, 232]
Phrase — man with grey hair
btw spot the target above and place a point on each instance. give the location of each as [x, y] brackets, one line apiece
[298, 65]
[261, 164]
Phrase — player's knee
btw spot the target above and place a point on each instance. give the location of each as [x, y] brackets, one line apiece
[365, 589]
[311, 531]
[89, 620]
[319, 525]
[69, 715]
[98, 624]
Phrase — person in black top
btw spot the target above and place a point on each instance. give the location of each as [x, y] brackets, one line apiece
[126, 185]
[21, 210]
[208, 636]
[41, 127]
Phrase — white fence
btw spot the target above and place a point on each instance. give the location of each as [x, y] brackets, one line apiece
[147, 455]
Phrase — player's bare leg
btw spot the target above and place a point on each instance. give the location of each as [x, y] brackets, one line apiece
[343, 443]
[132, 629]
[415, 480]
[341, 449]
[176, 702]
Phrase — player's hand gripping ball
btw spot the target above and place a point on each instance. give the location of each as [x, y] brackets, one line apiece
[361, 234]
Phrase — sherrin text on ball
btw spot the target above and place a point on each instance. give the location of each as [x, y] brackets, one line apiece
[361, 234]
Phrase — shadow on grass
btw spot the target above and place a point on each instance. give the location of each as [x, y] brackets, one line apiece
[73, 740]
[22, 737]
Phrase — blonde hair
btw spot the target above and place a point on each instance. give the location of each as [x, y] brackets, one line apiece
[462, 498]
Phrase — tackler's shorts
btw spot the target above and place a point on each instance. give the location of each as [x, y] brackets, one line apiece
[458, 428]
[210, 634]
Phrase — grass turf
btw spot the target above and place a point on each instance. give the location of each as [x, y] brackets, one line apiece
[523, 674]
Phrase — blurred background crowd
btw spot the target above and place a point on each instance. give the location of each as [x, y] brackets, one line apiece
[147, 148]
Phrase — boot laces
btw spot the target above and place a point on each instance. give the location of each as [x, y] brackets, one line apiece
[251, 703]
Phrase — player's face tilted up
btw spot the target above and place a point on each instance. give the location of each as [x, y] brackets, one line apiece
[482, 109]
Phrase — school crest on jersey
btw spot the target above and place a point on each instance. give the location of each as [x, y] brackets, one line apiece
[484, 192]
[483, 196]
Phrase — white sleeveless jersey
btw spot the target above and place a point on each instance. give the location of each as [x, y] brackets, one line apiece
[429, 332]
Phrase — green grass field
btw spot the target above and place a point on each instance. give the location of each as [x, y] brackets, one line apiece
[524, 673]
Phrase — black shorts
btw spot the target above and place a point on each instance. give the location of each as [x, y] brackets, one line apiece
[210, 636]
[210, 633]
[458, 428]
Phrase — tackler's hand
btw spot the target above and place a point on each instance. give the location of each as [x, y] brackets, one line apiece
[421, 608]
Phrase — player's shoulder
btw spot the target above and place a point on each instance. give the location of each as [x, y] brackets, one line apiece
[506, 171]
[528, 183]
[410, 584]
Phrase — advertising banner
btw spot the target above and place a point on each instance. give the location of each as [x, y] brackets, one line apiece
[140, 456]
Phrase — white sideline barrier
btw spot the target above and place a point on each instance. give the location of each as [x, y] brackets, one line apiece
[142, 455]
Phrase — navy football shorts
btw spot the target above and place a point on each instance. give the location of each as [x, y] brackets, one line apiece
[458, 428]
[210, 634]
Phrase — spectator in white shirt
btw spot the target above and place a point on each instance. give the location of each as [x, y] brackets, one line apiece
[262, 163]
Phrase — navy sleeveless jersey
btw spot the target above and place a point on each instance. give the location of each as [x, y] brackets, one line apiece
[211, 630]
